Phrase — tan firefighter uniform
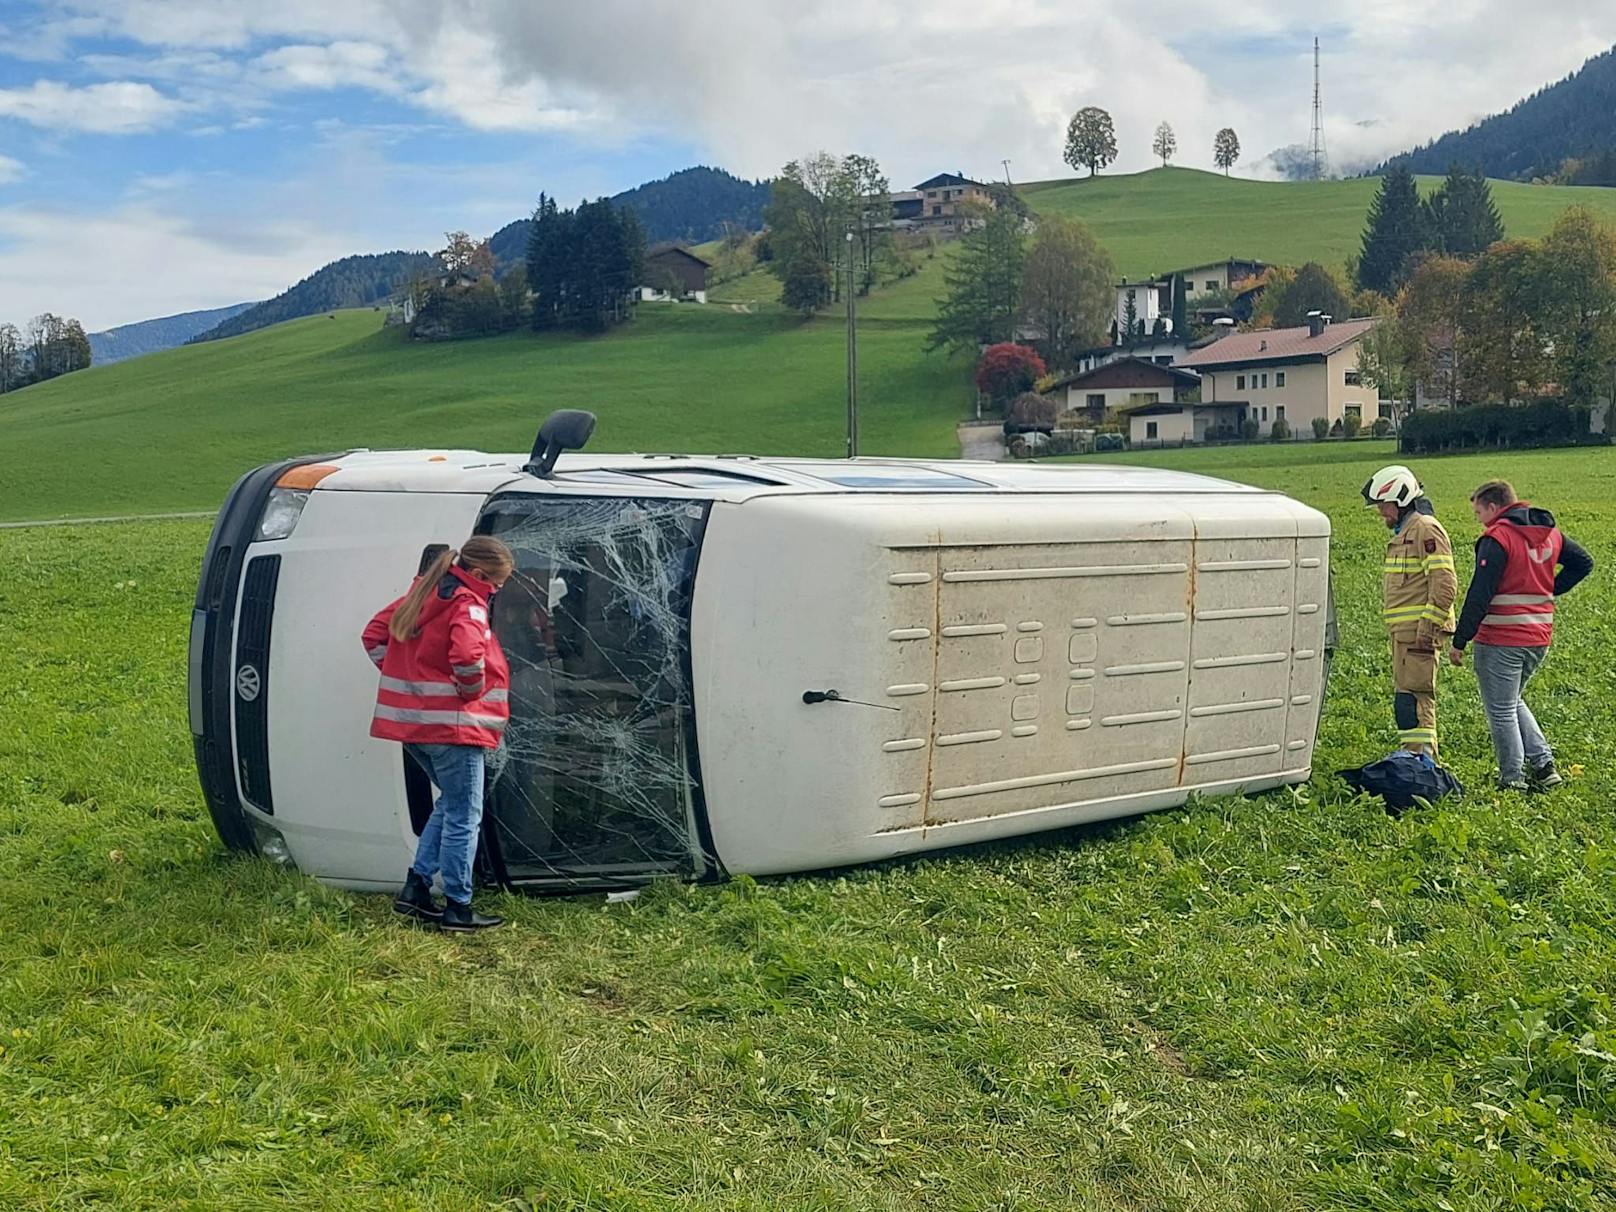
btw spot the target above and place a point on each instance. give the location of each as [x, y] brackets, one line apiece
[1419, 588]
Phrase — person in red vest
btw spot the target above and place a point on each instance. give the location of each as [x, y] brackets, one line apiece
[1509, 612]
[444, 690]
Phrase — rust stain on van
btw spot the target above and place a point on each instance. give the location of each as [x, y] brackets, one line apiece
[1189, 675]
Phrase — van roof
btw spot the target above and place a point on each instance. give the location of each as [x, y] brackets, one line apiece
[737, 477]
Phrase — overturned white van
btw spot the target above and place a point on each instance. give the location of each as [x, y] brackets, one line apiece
[761, 665]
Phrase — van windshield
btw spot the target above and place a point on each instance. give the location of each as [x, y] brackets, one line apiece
[596, 782]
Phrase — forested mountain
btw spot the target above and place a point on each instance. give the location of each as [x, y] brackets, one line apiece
[690, 206]
[1570, 120]
[165, 332]
[351, 282]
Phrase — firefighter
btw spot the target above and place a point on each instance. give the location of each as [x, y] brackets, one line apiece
[1509, 613]
[1419, 588]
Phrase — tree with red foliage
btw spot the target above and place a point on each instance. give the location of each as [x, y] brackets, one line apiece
[1006, 370]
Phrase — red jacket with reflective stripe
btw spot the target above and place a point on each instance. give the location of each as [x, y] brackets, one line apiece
[1521, 613]
[448, 683]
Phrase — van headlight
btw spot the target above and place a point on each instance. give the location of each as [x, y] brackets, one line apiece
[281, 512]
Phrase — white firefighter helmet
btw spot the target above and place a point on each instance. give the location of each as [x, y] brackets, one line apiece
[1394, 485]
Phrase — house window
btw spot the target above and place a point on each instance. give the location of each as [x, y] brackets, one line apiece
[1240, 382]
[1279, 378]
[1265, 412]
[1354, 378]
[1279, 413]
[1211, 286]
[1150, 429]
[1097, 399]
[1144, 397]
[936, 210]
[1386, 412]
[1265, 379]
[1355, 409]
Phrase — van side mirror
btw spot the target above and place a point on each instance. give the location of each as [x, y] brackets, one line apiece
[565, 429]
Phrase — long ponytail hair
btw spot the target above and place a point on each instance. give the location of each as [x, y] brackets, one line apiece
[481, 552]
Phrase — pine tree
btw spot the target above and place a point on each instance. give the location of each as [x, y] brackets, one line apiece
[1130, 319]
[984, 285]
[1395, 232]
[1180, 308]
[1462, 217]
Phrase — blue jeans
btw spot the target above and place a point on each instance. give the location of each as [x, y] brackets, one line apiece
[1502, 672]
[449, 842]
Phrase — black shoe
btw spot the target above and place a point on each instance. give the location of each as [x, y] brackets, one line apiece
[1545, 777]
[462, 919]
[1514, 785]
[416, 900]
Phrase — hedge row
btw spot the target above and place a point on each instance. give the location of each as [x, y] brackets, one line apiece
[1498, 426]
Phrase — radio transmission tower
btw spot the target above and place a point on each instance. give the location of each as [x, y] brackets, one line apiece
[1315, 149]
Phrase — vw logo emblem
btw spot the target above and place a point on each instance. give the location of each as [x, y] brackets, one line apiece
[248, 683]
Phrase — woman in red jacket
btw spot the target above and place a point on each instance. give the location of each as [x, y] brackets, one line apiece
[443, 693]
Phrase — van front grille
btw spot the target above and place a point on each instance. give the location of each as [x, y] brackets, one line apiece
[251, 680]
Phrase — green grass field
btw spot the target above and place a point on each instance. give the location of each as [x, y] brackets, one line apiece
[1172, 218]
[173, 430]
[1288, 1003]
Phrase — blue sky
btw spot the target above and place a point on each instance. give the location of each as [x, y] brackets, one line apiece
[163, 155]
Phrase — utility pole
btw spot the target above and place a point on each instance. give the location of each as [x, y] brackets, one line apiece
[1007, 182]
[852, 357]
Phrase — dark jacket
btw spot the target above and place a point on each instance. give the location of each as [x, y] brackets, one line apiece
[1575, 564]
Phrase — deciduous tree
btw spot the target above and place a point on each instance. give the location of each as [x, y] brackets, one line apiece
[1066, 289]
[1576, 294]
[1225, 149]
[1091, 140]
[11, 359]
[1313, 288]
[1006, 370]
[1165, 143]
[1430, 312]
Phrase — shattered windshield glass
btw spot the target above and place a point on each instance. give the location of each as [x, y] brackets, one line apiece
[596, 779]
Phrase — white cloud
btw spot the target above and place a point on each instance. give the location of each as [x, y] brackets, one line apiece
[958, 83]
[120, 108]
[11, 170]
[135, 262]
[747, 84]
[335, 65]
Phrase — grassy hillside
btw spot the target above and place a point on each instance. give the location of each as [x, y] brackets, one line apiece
[1171, 218]
[172, 430]
[1288, 1003]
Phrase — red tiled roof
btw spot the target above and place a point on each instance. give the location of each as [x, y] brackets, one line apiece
[1274, 344]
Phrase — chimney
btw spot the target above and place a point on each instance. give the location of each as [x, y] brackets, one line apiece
[1222, 327]
[1316, 322]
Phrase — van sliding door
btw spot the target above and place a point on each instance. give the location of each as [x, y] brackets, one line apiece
[597, 784]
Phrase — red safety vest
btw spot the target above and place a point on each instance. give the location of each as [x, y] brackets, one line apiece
[1521, 613]
[448, 684]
